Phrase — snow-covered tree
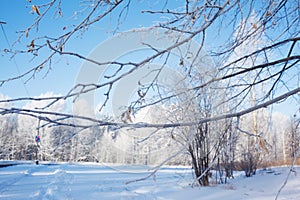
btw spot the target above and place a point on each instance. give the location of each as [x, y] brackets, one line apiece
[293, 137]
[254, 45]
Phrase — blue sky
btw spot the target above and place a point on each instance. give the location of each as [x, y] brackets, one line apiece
[18, 17]
[64, 70]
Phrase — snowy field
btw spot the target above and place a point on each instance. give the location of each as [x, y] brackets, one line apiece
[93, 181]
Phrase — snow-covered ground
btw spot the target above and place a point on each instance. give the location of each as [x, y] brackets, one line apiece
[91, 181]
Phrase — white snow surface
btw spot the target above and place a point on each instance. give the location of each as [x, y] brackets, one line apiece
[98, 181]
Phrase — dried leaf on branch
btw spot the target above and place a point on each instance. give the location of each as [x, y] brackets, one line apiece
[36, 9]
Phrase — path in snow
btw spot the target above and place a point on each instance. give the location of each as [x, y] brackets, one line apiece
[67, 181]
[63, 181]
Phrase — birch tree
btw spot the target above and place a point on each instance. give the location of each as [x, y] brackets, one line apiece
[293, 137]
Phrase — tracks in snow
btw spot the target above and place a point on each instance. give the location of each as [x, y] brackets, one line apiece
[18, 176]
[64, 181]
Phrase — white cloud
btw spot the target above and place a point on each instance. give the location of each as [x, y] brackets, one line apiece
[27, 124]
[58, 106]
[5, 104]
